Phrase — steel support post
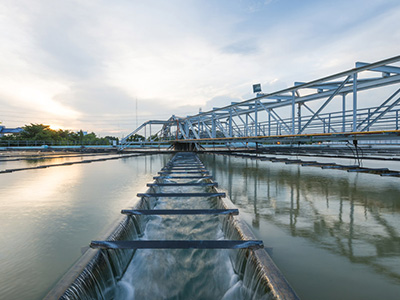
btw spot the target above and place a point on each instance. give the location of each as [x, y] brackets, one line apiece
[397, 120]
[150, 131]
[188, 127]
[329, 122]
[213, 129]
[293, 112]
[230, 123]
[200, 127]
[343, 112]
[354, 102]
[269, 122]
[247, 125]
[299, 116]
[256, 118]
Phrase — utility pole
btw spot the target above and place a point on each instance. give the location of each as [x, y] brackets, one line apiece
[136, 114]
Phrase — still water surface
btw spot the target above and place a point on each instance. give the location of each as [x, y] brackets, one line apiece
[48, 215]
[335, 235]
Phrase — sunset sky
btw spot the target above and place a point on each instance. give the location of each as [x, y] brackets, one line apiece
[88, 64]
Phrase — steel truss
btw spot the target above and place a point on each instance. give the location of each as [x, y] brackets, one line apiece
[298, 113]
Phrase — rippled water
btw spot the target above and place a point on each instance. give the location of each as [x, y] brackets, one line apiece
[335, 235]
[48, 215]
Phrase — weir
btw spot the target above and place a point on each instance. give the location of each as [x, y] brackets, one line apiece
[191, 215]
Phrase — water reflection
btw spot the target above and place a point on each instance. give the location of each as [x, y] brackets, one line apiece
[47, 215]
[356, 216]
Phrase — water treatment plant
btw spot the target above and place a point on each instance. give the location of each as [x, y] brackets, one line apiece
[275, 197]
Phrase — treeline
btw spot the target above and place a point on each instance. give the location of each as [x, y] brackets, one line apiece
[43, 134]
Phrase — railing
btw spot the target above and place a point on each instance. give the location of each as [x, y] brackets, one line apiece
[327, 123]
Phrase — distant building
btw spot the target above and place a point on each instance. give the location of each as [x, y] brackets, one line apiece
[4, 130]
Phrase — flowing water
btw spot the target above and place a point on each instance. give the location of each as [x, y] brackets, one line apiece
[182, 273]
[174, 274]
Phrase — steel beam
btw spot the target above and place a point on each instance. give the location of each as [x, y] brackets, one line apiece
[354, 102]
[177, 244]
[325, 103]
[172, 212]
[223, 195]
[326, 88]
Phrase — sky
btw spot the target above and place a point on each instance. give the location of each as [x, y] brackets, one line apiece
[108, 66]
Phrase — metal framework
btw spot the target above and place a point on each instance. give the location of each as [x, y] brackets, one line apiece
[299, 113]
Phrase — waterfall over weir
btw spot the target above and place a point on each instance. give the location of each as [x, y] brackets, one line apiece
[181, 241]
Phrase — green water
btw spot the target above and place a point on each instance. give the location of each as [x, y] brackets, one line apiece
[335, 235]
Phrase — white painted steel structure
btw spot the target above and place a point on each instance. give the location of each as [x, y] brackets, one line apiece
[299, 113]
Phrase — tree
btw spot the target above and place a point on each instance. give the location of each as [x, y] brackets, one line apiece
[44, 134]
[36, 132]
[136, 138]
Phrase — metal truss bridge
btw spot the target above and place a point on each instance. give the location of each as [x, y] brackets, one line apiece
[358, 106]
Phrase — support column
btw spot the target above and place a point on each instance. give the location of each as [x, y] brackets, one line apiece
[343, 112]
[256, 118]
[354, 102]
[269, 122]
[200, 127]
[187, 129]
[213, 129]
[247, 125]
[230, 123]
[150, 131]
[299, 117]
[293, 112]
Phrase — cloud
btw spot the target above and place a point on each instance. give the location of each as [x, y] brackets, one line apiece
[84, 64]
[94, 98]
[220, 101]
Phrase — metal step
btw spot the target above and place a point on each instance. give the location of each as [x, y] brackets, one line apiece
[184, 165]
[183, 168]
[369, 170]
[178, 244]
[183, 172]
[182, 177]
[180, 212]
[184, 184]
[181, 195]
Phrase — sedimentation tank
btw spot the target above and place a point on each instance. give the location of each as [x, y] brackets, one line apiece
[194, 262]
[333, 233]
